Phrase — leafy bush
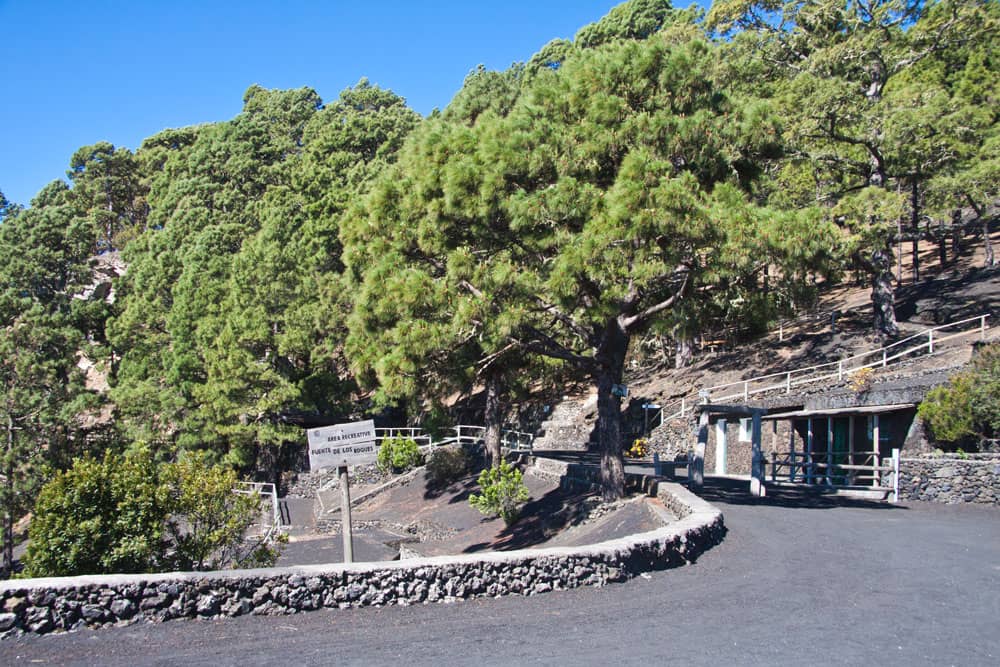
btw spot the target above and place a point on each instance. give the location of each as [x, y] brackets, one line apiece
[967, 409]
[503, 492]
[99, 517]
[399, 455]
[446, 465]
[860, 381]
[639, 449]
[127, 514]
[208, 521]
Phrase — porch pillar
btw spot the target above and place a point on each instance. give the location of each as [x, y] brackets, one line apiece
[696, 469]
[757, 460]
[850, 447]
[793, 467]
[809, 451]
[875, 444]
[829, 451]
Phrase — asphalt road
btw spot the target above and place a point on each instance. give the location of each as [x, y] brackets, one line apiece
[796, 581]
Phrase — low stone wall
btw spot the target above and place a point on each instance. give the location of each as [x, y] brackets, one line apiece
[67, 603]
[941, 479]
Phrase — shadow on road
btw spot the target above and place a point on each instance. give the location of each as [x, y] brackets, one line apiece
[736, 492]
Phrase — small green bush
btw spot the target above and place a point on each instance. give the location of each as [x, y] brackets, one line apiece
[130, 514]
[398, 455]
[447, 465]
[967, 409]
[503, 492]
[947, 410]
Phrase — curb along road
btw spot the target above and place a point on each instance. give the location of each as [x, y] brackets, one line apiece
[833, 583]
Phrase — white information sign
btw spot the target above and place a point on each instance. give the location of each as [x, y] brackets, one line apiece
[342, 445]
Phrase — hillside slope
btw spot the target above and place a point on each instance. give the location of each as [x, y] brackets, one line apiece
[949, 293]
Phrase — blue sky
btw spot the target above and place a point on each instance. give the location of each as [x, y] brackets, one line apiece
[75, 73]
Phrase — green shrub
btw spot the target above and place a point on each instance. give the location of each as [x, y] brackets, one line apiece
[947, 410]
[99, 517]
[447, 465]
[398, 455]
[128, 514]
[967, 409]
[503, 492]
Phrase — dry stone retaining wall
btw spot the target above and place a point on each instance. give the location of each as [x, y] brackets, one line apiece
[975, 479]
[67, 603]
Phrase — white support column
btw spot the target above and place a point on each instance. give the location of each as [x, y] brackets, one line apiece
[721, 446]
[829, 451]
[696, 470]
[875, 446]
[791, 451]
[850, 446]
[809, 451]
[895, 475]
[757, 459]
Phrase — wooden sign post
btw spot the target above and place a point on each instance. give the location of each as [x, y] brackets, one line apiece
[343, 445]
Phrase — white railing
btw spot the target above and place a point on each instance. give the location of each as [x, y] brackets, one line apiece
[270, 522]
[930, 341]
[511, 439]
[415, 434]
[517, 441]
[840, 470]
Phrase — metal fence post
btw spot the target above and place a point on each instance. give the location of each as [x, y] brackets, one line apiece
[930, 342]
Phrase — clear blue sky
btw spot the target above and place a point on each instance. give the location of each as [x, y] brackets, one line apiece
[81, 71]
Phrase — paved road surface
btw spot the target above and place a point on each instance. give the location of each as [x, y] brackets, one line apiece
[797, 581]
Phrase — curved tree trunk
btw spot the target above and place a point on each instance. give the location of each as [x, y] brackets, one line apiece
[684, 352]
[883, 296]
[610, 359]
[8, 513]
[492, 418]
[990, 259]
[956, 234]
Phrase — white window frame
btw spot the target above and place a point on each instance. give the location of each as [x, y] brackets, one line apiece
[745, 426]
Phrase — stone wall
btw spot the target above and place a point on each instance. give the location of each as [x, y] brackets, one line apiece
[67, 603]
[949, 479]
[569, 426]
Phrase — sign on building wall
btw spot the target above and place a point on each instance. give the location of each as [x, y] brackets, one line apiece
[342, 445]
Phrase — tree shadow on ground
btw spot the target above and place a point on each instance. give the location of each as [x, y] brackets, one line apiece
[541, 519]
[737, 492]
[459, 489]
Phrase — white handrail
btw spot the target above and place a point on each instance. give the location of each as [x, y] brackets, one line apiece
[264, 489]
[837, 368]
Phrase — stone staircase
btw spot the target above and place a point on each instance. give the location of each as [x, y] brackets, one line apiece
[569, 426]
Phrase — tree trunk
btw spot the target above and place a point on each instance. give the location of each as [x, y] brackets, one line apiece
[956, 234]
[915, 225]
[942, 245]
[492, 419]
[883, 297]
[684, 352]
[8, 545]
[990, 259]
[610, 359]
[8, 512]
